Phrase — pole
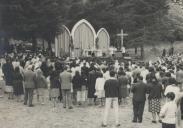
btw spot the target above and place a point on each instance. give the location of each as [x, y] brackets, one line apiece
[122, 38]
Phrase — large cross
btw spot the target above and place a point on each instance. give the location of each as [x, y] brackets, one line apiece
[122, 35]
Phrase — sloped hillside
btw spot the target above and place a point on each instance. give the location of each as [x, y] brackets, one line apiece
[176, 16]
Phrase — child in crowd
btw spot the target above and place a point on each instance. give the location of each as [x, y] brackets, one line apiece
[169, 111]
[2, 83]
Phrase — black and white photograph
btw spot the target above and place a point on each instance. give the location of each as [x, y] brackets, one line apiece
[91, 63]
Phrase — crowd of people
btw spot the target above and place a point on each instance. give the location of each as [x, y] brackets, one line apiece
[177, 1]
[77, 82]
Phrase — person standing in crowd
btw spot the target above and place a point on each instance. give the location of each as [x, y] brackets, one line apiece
[171, 51]
[55, 86]
[18, 84]
[136, 74]
[29, 84]
[55, 70]
[66, 82]
[16, 63]
[155, 90]
[139, 91]
[85, 69]
[164, 53]
[130, 80]
[144, 72]
[172, 87]
[181, 108]
[91, 85]
[2, 83]
[106, 73]
[8, 71]
[45, 67]
[99, 87]
[165, 80]
[150, 74]
[41, 86]
[169, 111]
[83, 88]
[123, 90]
[111, 88]
[179, 78]
[77, 81]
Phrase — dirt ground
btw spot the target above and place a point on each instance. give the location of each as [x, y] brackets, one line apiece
[16, 115]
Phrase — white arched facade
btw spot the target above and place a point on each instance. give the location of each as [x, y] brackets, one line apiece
[83, 36]
[62, 42]
[103, 39]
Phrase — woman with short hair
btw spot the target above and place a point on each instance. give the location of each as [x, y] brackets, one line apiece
[41, 86]
[8, 71]
[76, 81]
[55, 86]
[18, 84]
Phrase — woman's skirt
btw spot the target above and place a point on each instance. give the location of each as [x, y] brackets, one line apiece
[100, 93]
[42, 92]
[8, 89]
[18, 90]
[2, 84]
[82, 94]
[54, 93]
[123, 92]
[154, 105]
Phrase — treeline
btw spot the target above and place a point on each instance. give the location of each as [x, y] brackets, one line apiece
[145, 21]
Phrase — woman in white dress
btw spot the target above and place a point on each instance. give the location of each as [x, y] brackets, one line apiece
[99, 87]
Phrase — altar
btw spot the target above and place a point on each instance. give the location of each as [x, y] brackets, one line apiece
[92, 52]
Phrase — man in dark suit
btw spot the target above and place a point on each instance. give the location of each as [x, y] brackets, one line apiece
[29, 83]
[91, 85]
[139, 91]
[85, 69]
[179, 78]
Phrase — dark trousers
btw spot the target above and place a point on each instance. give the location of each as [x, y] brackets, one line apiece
[181, 107]
[28, 95]
[164, 125]
[138, 109]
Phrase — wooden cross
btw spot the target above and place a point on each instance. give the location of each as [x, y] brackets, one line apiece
[122, 35]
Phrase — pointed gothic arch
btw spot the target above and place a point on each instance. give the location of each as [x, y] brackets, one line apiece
[103, 39]
[83, 36]
[62, 42]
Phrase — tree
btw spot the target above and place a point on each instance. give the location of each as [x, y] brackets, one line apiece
[32, 19]
[131, 15]
[143, 20]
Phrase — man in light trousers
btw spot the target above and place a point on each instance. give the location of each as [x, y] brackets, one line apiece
[66, 85]
[111, 88]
